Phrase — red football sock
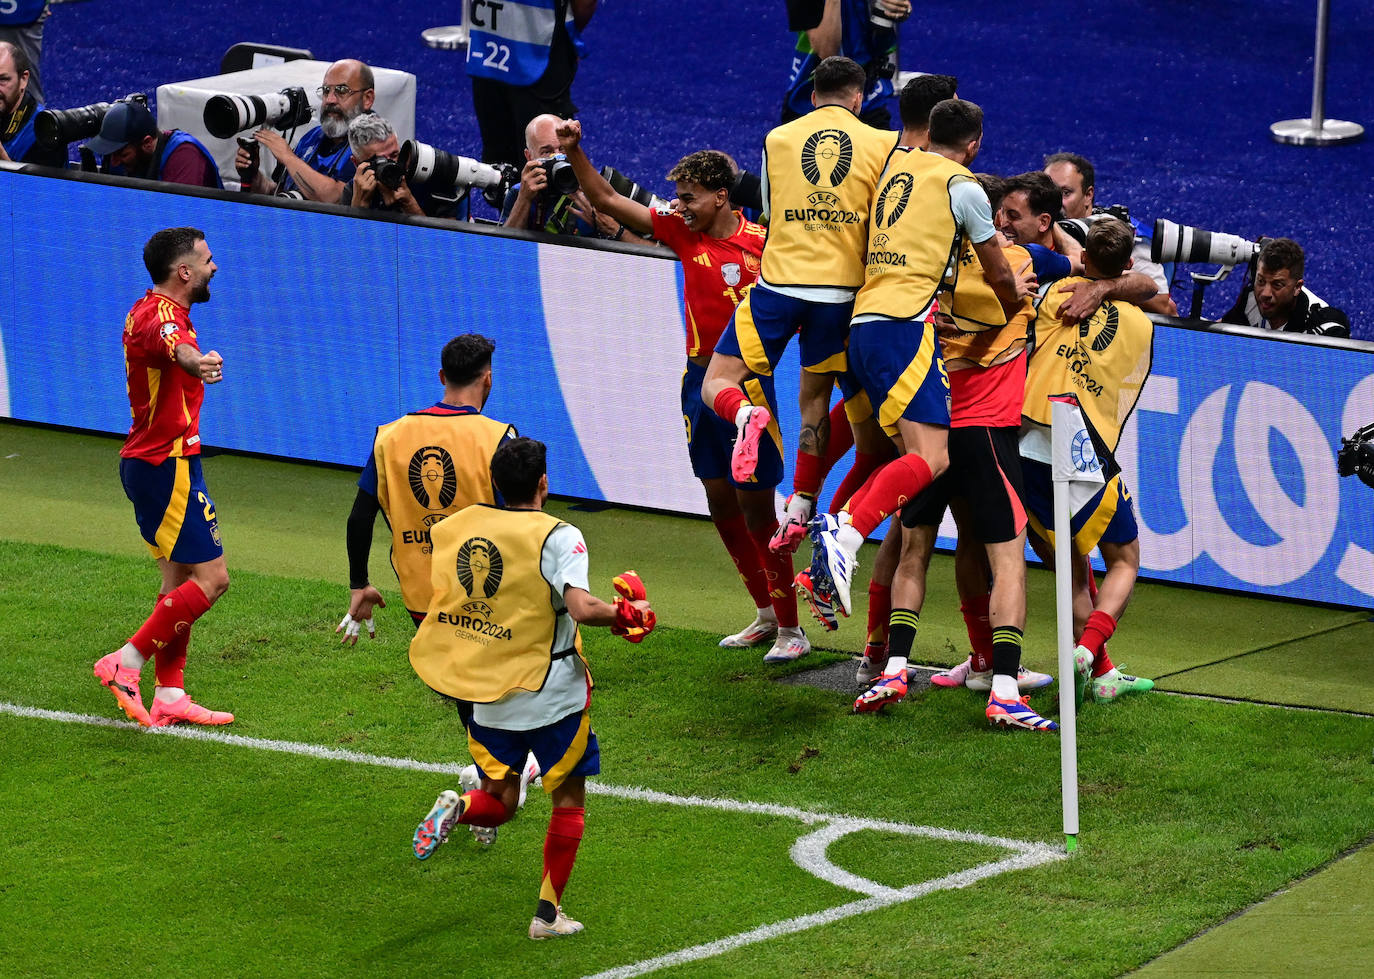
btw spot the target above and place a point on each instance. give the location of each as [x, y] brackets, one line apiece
[483, 809]
[841, 438]
[1098, 630]
[979, 631]
[809, 474]
[892, 486]
[777, 568]
[173, 614]
[734, 533]
[560, 850]
[879, 610]
[727, 403]
[865, 465]
[170, 663]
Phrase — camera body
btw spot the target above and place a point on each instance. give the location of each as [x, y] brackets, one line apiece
[226, 115]
[58, 127]
[1356, 456]
[1077, 228]
[389, 173]
[562, 178]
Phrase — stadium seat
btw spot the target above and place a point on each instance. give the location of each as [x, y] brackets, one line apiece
[250, 54]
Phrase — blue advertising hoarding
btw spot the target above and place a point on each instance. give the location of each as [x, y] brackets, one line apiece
[331, 325]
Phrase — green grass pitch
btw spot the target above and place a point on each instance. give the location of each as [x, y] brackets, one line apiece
[131, 853]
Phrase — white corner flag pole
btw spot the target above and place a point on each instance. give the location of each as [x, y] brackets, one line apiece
[1077, 474]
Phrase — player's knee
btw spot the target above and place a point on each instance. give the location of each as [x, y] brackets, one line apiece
[214, 582]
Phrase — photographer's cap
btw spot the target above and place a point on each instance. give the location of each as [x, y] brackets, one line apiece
[124, 123]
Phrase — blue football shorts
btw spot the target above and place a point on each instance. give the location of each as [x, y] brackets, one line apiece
[173, 508]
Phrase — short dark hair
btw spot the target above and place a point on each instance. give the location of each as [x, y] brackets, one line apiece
[712, 169]
[1282, 253]
[516, 468]
[994, 186]
[1108, 245]
[954, 122]
[1044, 197]
[1079, 163]
[837, 75]
[21, 60]
[165, 249]
[465, 358]
[365, 78]
[922, 94]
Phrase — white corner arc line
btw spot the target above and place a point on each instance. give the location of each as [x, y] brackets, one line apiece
[809, 851]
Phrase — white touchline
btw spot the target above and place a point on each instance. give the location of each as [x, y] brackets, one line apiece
[808, 853]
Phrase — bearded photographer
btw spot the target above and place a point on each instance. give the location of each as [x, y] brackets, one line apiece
[379, 183]
[323, 160]
[1274, 297]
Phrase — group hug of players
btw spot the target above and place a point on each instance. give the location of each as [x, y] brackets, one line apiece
[946, 343]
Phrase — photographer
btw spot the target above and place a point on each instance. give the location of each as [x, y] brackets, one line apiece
[323, 160]
[535, 206]
[379, 182]
[862, 30]
[131, 144]
[18, 106]
[1274, 298]
[1075, 178]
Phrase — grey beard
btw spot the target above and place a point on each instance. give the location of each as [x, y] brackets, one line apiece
[334, 127]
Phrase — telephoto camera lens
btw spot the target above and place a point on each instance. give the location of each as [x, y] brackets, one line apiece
[226, 115]
[1182, 243]
[58, 127]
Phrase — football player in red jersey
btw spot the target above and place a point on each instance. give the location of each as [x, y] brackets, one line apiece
[720, 253]
[159, 466]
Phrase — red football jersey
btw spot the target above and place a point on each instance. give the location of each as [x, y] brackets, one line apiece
[716, 273]
[163, 398]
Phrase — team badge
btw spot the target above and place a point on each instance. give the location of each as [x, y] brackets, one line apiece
[479, 567]
[826, 157]
[751, 262]
[730, 273]
[433, 478]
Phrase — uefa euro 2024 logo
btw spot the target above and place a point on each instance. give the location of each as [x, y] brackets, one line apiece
[1082, 453]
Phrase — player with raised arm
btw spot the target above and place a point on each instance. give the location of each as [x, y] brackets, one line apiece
[720, 254]
[510, 590]
[166, 374]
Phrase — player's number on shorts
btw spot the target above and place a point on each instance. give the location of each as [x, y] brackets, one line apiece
[207, 507]
[498, 55]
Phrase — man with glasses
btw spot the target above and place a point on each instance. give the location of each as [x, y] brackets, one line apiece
[322, 161]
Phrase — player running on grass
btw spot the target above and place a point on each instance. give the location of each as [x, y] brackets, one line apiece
[510, 590]
[166, 374]
[719, 251]
[1104, 361]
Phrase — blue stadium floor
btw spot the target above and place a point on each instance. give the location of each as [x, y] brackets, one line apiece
[1172, 101]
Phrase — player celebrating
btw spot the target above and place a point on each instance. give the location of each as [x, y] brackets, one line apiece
[510, 589]
[424, 466]
[1105, 360]
[928, 205]
[719, 251]
[159, 466]
[819, 174]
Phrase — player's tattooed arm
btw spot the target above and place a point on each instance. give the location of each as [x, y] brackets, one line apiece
[814, 439]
